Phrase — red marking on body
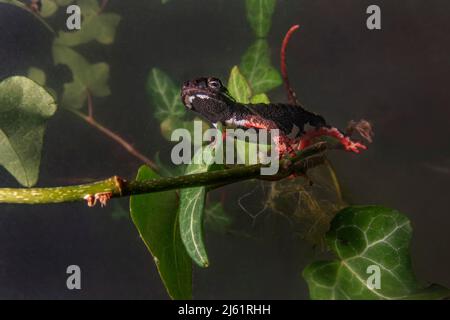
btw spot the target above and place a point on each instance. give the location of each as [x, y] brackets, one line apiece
[259, 123]
[286, 145]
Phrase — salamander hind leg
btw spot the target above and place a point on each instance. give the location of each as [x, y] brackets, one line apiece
[343, 140]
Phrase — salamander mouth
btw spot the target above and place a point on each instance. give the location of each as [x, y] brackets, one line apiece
[187, 100]
[194, 91]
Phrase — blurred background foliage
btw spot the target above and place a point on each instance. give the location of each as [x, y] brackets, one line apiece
[88, 67]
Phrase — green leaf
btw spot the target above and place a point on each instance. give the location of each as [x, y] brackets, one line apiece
[165, 95]
[433, 292]
[37, 75]
[74, 95]
[260, 98]
[238, 86]
[257, 68]
[99, 27]
[86, 76]
[63, 3]
[245, 150]
[156, 218]
[259, 15]
[25, 108]
[192, 204]
[166, 169]
[364, 236]
[49, 8]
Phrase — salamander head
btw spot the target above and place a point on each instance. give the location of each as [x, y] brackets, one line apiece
[208, 97]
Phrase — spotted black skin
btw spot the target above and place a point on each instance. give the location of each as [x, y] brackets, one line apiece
[209, 98]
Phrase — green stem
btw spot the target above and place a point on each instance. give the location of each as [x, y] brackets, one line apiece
[117, 187]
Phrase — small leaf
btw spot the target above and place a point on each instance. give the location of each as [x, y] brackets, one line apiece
[101, 28]
[156, 218]
[86, 76]
[257, 68]
[238, 86]
[165, 95]
[250, 150]
[37, 75]
[74, 95]
[165, 169]
[49, 8]
[25, 108]
[192, 204]
[260, 98]
[362, 237]
[259, 15]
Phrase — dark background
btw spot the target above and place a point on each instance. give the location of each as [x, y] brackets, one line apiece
[396, 77]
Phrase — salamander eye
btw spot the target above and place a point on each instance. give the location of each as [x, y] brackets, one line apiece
[214, 83]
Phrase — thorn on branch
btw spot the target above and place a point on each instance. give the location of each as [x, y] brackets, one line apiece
[101, 197]
[90, 200]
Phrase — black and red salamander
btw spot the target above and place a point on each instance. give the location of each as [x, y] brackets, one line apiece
[210, 99]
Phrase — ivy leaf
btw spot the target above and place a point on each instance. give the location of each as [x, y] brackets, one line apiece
[257, 69]
[260, 98]
[25, 108]
[63, 3]
[165, 95]
[259, 15]
[86, 77]
[361, 237]
[49, 8]
[192, 204]
[240, 90]
[238, 86]
[37, 75]
[156, 218]
[99, 27]
[168, 170]
[246, 150]
[74, 95]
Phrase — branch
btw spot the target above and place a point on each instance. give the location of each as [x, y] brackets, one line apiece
[292, 97]
[116, 187]
[114, 136]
